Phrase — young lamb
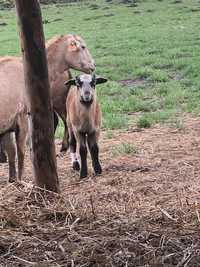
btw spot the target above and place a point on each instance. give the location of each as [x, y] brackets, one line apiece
[84, 121]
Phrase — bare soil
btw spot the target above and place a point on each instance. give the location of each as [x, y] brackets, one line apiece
[142, 211]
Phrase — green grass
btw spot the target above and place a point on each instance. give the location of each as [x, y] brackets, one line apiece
[177, 124]
[124, 149]
[109, 134]
[159, 48]
[144, 122]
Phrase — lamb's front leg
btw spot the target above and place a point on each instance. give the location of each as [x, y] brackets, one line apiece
[94, 151]
[81, 140]
[72, 146]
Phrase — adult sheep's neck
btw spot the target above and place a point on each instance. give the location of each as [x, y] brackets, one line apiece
[56, 61]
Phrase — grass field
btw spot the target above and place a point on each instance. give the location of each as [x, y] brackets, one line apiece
[152, 47]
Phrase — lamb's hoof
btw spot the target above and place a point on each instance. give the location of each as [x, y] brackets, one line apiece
[12, 180]
[76, 166]
[3, 158]
[83, 175]
[98, 170]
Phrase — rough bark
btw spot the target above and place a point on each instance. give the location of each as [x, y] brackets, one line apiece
[38, 94]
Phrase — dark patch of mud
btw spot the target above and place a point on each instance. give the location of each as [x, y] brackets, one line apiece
[94, 7]
[99, 17]
[3, 24]
[132, 82]
[177, 2]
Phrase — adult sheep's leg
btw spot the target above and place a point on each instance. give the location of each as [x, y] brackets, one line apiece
[20, 141]
[55, 121]
[72, 147]
[65, 141]
[94, 151]
[3, 158]
[82, 148]
[60, 108]
[21, 135]
[8, 144]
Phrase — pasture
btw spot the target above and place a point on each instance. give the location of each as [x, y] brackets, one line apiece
[144, 209]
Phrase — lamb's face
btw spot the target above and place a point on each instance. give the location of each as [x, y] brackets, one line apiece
[86, 86]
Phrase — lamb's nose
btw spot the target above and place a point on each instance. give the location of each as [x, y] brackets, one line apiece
[87, 93]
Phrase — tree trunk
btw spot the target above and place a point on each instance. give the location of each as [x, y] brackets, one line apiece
[38, 94]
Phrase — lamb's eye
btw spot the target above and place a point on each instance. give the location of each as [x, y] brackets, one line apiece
[83, 47]
[79, 85]
[92, 85]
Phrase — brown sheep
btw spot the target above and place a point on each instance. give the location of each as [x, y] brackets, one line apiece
[84, 122]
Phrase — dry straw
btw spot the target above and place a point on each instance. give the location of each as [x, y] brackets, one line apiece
[95, 227]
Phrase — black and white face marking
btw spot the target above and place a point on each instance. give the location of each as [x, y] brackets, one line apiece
[86, 86]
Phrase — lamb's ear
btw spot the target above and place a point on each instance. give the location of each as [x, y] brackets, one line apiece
[100, 80]
[70, 82]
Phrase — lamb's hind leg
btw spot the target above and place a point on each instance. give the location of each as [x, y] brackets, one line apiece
[94, 151]
[72, 147]
[8, 144]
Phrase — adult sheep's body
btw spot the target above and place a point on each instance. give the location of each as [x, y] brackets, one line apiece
[11, 101]
[63, 53]
[13, 112]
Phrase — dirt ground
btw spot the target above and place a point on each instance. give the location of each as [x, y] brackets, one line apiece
[142, 211]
